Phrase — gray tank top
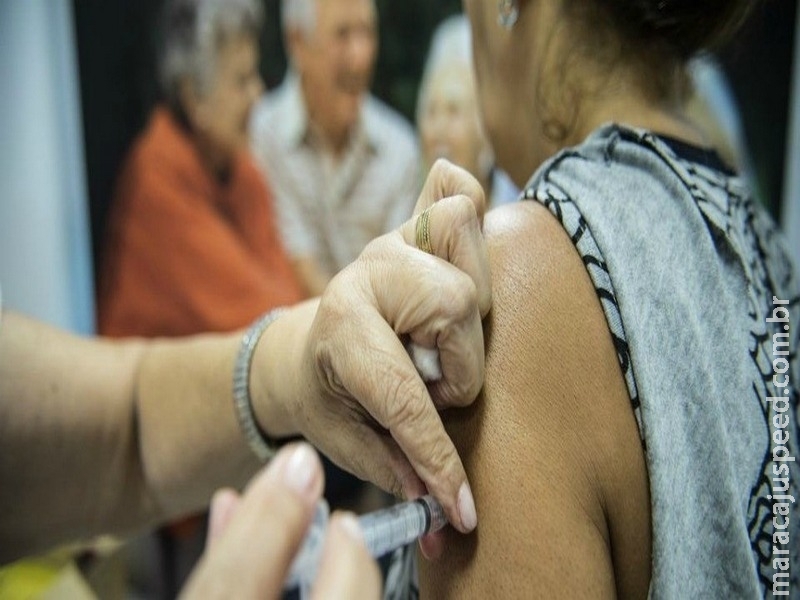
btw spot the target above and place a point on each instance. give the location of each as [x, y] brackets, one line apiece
[704, 311]
[702, 303]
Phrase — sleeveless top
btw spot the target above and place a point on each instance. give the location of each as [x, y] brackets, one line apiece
[703, 307]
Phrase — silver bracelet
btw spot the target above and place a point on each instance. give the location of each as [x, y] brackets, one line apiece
[263, 446]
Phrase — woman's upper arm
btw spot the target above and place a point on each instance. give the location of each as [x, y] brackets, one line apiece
[551, 447]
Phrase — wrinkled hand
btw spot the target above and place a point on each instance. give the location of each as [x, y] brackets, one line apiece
[252, 539]
[368, 391]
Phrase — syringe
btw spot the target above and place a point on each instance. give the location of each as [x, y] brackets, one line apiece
[384, 531]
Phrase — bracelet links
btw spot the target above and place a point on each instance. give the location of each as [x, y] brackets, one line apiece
[260, 443]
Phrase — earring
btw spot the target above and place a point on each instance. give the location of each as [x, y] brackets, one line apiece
[507, 13]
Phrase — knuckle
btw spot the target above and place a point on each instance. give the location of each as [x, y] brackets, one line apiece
[467, 211]
[441, 167]
[459, 300]
[468, 390]
[455, 394]
[366, 274]
[465, 206]
[464, 379]
[330, 308]
[372, 251]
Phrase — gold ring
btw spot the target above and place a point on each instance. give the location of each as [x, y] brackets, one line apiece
[423, 231]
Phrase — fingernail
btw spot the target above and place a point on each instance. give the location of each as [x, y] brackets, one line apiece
[349, 525]
[299, 471]
[466, 507]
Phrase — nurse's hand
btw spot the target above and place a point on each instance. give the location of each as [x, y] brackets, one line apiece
[252, 539]
[356, 394]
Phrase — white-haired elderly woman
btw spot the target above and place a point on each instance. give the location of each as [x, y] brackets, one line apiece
[448, 116]
[193, 244]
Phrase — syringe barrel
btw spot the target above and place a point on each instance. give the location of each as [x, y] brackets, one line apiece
[306, 562]
[383, 531]
[388, 529]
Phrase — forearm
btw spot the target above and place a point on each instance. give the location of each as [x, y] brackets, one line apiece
[67, 446]
[100, 436]
[189, 438]
[188, 442]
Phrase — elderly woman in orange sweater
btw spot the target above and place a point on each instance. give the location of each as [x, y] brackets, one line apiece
[193, 245]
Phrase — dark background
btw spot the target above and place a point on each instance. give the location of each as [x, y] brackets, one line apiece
[116, 53]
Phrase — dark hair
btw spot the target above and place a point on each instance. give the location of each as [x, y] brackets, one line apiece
[681, 27]
[655, 38]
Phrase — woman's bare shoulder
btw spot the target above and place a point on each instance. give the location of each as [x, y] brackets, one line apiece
[551, 446]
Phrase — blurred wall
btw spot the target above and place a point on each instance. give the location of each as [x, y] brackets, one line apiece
[45, 265]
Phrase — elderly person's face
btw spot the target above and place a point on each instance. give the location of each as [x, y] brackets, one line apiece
[335, 62]
[220, 112]
[449, 126]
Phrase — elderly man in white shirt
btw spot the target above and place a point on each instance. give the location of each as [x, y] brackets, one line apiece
[344, 167]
